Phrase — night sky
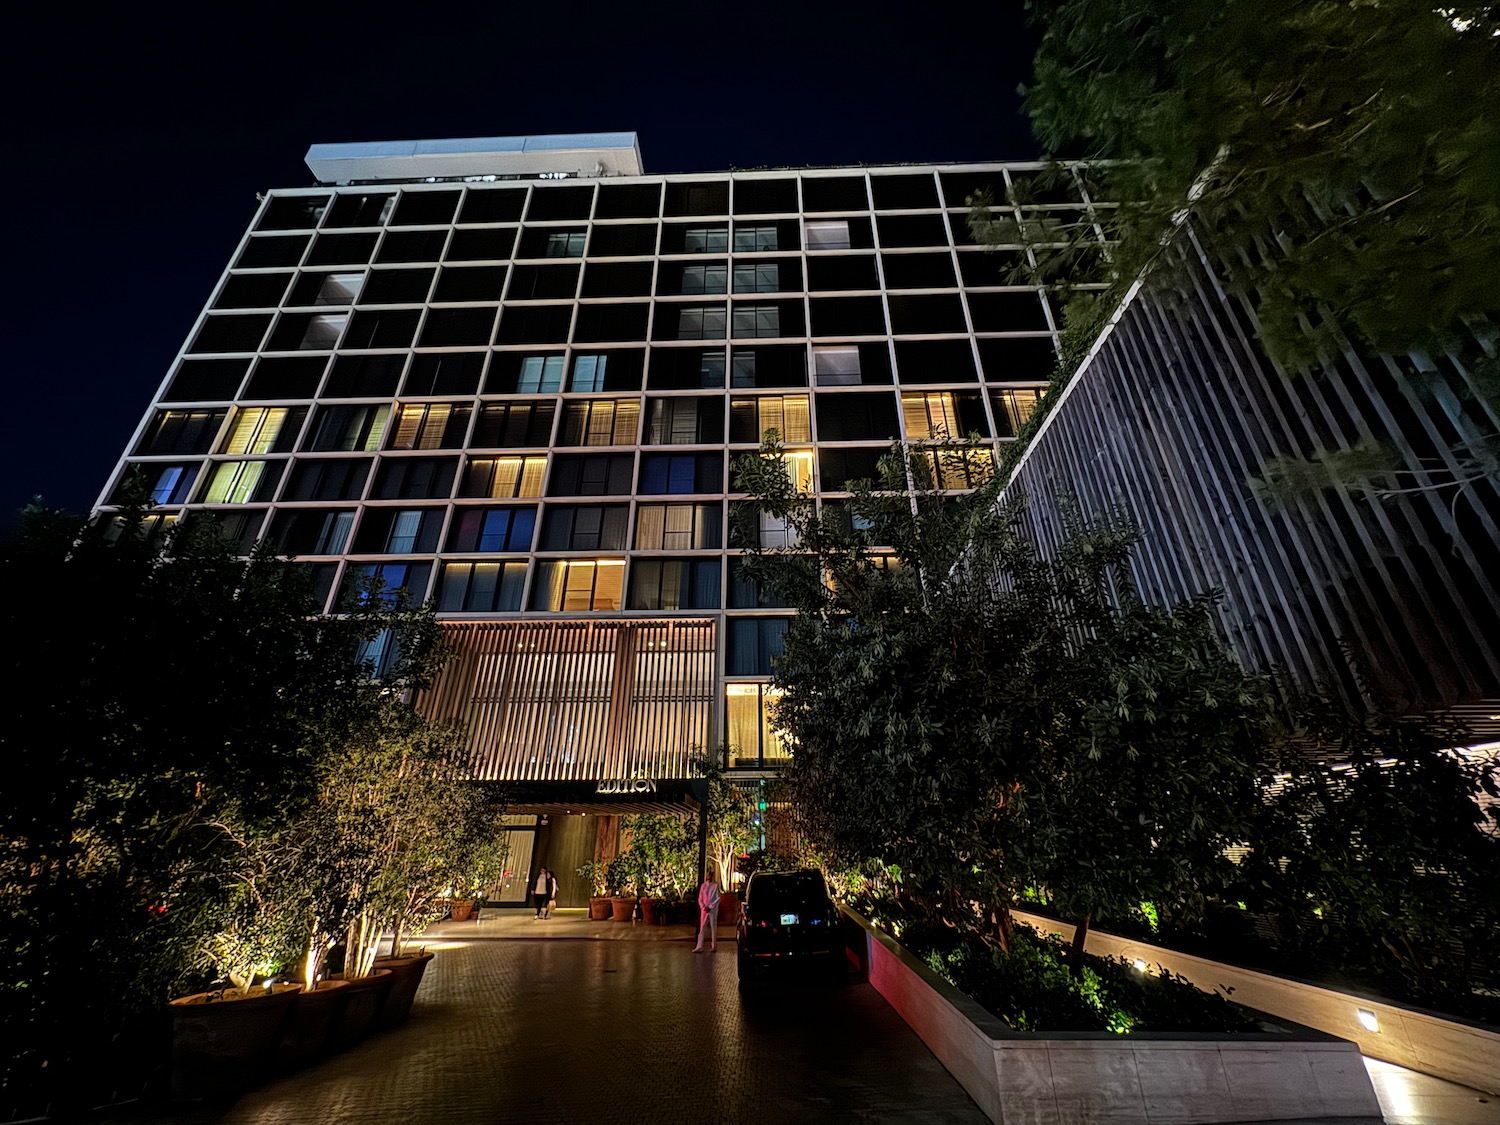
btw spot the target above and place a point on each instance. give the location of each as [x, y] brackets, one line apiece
[141, 135]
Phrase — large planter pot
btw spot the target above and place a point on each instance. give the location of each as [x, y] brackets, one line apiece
[461, 910]
[653, 911]
[599, 909]
[367, 996]
[223, 1042]
[621, 909]
[683, 913]
[406, 978]
[729, 909]
[308, 1033]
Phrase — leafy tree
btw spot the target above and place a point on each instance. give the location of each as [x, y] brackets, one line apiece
[987, 720]
[663, 854]
[731, 827]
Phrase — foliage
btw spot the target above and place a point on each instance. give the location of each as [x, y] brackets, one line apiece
[596, 875]
[1034, 987]
[986, 719]
[664, 854]
[622, 875]
[732, 831]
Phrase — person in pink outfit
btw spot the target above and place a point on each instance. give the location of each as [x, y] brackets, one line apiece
[708, 912]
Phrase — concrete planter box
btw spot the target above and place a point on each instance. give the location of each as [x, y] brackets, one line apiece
[1070, 1077]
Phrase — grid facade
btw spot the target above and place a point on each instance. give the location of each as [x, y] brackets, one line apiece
[521, 399]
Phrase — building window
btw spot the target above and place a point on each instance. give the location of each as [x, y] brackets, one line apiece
[348, 429]
[701, 322]
[504, 477]
[664, 584]
[757, 277]
[595, 474]
[573, 586]
[578, 528]
[706, 279]
[414, 478]
[836, 367]
[756, 321]
[399, 531]
[565, 244]
[263, 429]
[511, 425]
[1013, 406]
[430, 425]
[236, 482]
[588, 373]
[601, 422]
[386, 582]
[328, 478]
[323, 332]
[705, 240]
[481, 587]
[489, 530]
[753, 239]
[540, 374]
[308, 531]
[750, 418]
[678, 527]
[172, 483]
[679, 473]
[181, 431]
[685, 421]
[753, 643]
[753, 740]
[952, 468]
[827, 234]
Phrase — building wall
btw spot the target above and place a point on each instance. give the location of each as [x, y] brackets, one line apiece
[1391, 600]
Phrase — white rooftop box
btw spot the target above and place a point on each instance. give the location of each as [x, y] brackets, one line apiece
[579, 154]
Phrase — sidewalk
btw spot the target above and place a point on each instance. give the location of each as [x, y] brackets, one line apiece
[569, 923]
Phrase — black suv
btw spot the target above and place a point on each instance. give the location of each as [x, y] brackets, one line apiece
[788, 918]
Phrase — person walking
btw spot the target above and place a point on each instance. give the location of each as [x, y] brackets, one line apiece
[541, 892]
[551, 896]
[708, 912]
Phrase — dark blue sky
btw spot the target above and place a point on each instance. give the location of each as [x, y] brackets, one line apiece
[142, 135]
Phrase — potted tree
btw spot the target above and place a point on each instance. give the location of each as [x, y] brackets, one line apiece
[621, 878]
[593, 873]
[665, 851]
[732, 832]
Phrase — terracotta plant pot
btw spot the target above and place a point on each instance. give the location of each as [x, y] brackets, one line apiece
[729, 909]
[599, 909]
[223, 1042]
[653, 911]
[461, 910]
[622, 909]
[308, 1033]
[367, 996]
[406, 978]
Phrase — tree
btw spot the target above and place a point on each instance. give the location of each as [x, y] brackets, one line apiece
[987, 720]
[731, 830]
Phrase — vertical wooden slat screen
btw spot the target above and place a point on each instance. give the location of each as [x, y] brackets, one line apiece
[1179, 407]
[579, 700]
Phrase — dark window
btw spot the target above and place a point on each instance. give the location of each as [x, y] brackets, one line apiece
[365, 376]
[535, 324]
[551, 242]
[231, 333]
[618, 370]
[784, 276]
[328, 478]
[513, 425]
[847, 316]
[675, 369]
[200, 380]
[784, 366]
[479, 245]
[992, 267]
[959, 186]
[311, 531]
[704, 198]
[918, 271]
[681, 473]
[935, 361]
[628, 201]
[398, 531]
[252, 291]
[570, 527]
[287, 377]
[493, 205]
[396, 287]
[626, 240]
[292, 212]
[382, 328]
[481, 587]
[837, 467]
[352, 209]
[181, 431]
[763, 321]
[348, 428]
[912, 230]
[326, 288]
[765, 197]
[273, 250]
[834, 193]
[666, 584]
[320, 580]
[841, 273]
[685, 421]
[753, 643]
[470, 283]
[745, 593]
[391, 580]
[678, 527]
[560, 203]
[695, 277]
[429, 425]
[598, 323]
[414, 478]
[617, 279]
[447, 328]
[412, 246]
[425, 208]
[540, 283]
[692, 322]
[524, 373]
[1007, 312]
[445, 373]
[307, 332]
[695, 238]
[342, 249]
[753, 238]
[590, 474]
[488, 530]
[929, 313]
[857, 417]
[1024, 360]
[901, 193]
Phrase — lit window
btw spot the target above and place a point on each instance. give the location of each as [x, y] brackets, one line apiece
[427, 425]
[339, 289]
[348, 428]
[952, 468]
[172, 483]
[757, 277]
[323, 332]
[573, 586]
[750, 418]
[1013, 406]
[930, 416]
[677, 527]
[505, 477]
[752, 239]
[706, 279]
[836, 366]
[233, 482]
[752, 735]
[386, 581]
[565, 244]
[756, 321]
[588, 373]
[828, 235]
[705, 240]
[601, 422]
[256, 429]
[540, 374]
[333, 533]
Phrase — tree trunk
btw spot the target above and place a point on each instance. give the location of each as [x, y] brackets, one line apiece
[1000, 916]
[1075, 950]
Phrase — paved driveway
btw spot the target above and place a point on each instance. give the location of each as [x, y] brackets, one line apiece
[571, 1021]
